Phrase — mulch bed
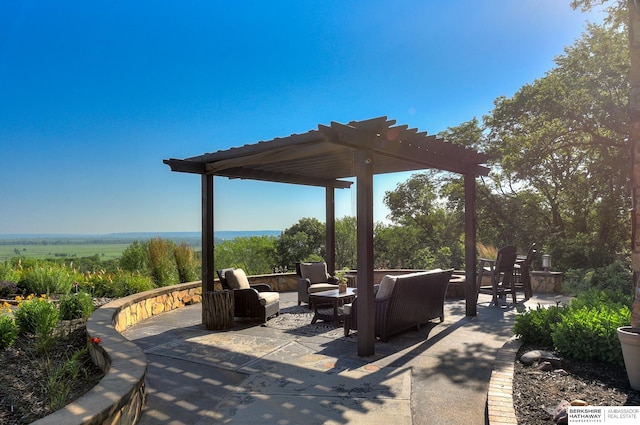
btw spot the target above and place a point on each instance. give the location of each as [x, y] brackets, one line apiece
[537, 393]
[23, 393]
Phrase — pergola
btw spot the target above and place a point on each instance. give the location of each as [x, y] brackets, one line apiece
[325, 157]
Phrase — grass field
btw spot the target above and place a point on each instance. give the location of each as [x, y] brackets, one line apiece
[106, 251]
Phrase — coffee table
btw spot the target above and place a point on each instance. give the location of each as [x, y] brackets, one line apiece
[332, 298]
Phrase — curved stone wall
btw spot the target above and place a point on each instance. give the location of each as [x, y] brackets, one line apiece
[119, 397]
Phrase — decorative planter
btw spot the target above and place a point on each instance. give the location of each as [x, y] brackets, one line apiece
[630, 342]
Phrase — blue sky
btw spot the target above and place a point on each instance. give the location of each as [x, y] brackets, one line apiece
[95, 94]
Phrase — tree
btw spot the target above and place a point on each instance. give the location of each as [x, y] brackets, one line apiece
[426, 216]
[564, 139]
[134, 258]
[255, 254]
[346, 243]
[633, 13]
[305, 240]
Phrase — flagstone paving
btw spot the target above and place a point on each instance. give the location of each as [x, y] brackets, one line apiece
[260, 374]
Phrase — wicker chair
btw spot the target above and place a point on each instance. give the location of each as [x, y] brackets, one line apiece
[252, 301]
[313, 277]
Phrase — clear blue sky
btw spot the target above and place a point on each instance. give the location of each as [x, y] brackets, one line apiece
[95, 94]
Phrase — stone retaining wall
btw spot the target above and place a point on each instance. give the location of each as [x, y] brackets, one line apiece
[119, 397]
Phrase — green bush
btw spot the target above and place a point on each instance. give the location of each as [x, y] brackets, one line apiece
[615, 277]
[8, 273]
[535, 326]
[186, 263]
[589, 332]
[49, 279]
[583, 330]
[76, 306]
[8, 331]
[134, 257]
[121, 284]
[161, 262]
[36, 316]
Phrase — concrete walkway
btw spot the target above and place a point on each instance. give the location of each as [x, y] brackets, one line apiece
[260, 375]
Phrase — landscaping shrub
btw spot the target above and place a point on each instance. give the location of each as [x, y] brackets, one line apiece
[8, 331]
[583, 330]
[76, 306]
[535, 326]
[615, 277]
[134, 258]
[186, 263]
[8, 273]
[589, 332]
[49, 279]
[161, 262]
[38, 316]
[122, 283]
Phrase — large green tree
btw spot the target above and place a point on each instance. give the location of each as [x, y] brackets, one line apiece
[563, 138]
[305, 240]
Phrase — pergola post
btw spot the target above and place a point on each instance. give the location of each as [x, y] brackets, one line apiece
[207, 233]
[364, 187]
[470, 244]
[330, 245]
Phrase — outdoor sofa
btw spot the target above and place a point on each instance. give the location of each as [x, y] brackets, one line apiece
[403, 302]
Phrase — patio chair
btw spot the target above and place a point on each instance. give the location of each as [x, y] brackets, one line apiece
[313, 277]
[501, 272]
[521, 277]
[251, 301]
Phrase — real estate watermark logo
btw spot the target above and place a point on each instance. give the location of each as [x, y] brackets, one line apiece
[615, 415]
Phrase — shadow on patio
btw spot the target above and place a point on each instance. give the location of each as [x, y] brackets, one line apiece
[258, 374]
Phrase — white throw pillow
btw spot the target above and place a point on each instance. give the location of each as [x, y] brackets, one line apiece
[386, 287]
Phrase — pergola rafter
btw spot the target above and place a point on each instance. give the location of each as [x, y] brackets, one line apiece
[325, 157]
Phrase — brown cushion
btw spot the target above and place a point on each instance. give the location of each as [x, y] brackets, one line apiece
[315, 272]
[237, 279]
[386, 287]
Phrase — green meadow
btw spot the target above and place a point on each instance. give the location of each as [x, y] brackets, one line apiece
[105, 251]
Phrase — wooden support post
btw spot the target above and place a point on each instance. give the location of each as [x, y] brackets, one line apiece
[471, 292]
[217, 309]
[366, 313]
[330, 245]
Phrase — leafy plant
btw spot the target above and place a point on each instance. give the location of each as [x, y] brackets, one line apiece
[57, 384]
[589, 332]
[8, 331]
[76, 306]
[584, 330]
[536, 326]
[486, 251]
[125, 283]
[162, 267]
[186, 263]
[38, 316]
[49, 279]
[8, 272]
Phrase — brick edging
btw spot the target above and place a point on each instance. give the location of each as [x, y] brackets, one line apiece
[500, 395]
[119, 396]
